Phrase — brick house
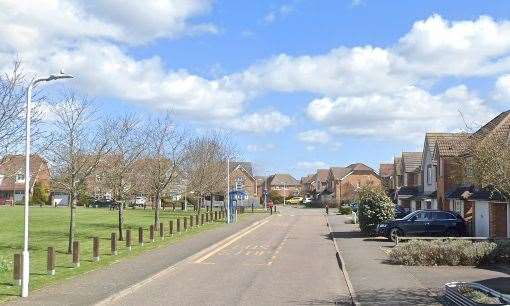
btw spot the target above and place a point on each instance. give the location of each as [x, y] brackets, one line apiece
[398, 177]
[386, 172]
[343, 182]
[308, 184]
[241, 178]
[410, 172]
[284, 184]
[12, 176]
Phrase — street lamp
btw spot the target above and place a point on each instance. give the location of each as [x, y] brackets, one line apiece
[26, 259]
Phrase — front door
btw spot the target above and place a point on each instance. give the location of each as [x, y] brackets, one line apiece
[482, 219]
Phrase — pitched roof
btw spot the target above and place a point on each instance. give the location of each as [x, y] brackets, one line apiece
[322, 175]
[282, 178]
[245, 165]
[340, 172]
[500, 123]
[411, 161]
[453, 145]
[386, 170]
[10, 165]
[397, 163]
[308, 179]
[432, 138]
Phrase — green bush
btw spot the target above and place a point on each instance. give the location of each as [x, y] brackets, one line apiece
[442, 253]
[374, 207]
[345, 210]
[501, 254]
[40, 195]
[4, 265]
[275, 197]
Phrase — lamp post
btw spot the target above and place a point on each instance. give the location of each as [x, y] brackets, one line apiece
[26, 258]
[228, 190]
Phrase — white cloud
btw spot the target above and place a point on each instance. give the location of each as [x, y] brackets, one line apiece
[273, 121]
[260, 147]
[405, 114]
[314, 136]
[502, 88]
[311, 165]
[277, 13]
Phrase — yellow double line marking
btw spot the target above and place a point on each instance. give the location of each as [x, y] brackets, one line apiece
[208, 255]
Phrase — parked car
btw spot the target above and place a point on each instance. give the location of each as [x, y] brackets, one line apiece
[400, 212]
[138, 201]
[307, 200]
[424, 223]
[102, 202]
[295, 200]
[354, 207]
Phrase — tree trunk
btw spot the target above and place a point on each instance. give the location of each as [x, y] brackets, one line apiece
[121, 220]
[72, 206]
[158, 207]
[211, 201]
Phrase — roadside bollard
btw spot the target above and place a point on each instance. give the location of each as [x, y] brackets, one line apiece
[196, 219]
[113, 243]
[207, 217]
[211, 216]
[171, 225]
[202, 219]
[76, 254]
[185, 225]
[95, 249]
[179, 226]
[16, 271]
[50, 265]
[271, 208]
[190, 221]
[161, 230]
[151, 232]
[251, 207]
[140, 236]
[128, 239]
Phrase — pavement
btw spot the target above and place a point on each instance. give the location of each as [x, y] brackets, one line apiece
[95, 286]
[376, 282]
[287, 260]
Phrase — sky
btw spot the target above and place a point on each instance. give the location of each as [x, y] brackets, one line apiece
[296, 84]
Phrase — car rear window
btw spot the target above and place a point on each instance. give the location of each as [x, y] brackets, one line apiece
[442, 215]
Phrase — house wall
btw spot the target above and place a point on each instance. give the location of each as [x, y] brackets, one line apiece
[429, 183]
[445, 181]
[250, 184]
[345, 190]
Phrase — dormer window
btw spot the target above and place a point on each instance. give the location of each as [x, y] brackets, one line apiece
[20, 177]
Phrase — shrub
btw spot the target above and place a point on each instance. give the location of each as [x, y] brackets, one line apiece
[374, 207]
[501, 254]
[345, 210]
[40, 195]
[275, 197]
[4, 265]
[441, 253]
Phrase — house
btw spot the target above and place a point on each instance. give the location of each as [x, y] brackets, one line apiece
[261, 185]
[488, 207]
[308, 184]
[12, 176]
[241, 178]
[410, 169]
[284, 184]
[398, 177]
[343, 182]
[386, 172]
[321, 180]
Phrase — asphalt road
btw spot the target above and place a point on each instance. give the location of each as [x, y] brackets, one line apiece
[286, 260]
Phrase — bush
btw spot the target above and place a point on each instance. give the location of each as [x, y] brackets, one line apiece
[442, 253]
[40, 195]
[501, 255]
[4, 265]
[275, 197]
[374, 207]
[345, 210]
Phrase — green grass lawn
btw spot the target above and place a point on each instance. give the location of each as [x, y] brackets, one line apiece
[49, 227]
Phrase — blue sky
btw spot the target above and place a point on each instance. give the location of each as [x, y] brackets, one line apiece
[297, 84]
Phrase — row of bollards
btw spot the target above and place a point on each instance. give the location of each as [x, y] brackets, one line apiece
[208, 216]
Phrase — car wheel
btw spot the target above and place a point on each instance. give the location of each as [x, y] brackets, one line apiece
[394, 233]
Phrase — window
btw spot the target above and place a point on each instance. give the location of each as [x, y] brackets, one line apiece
[442, 215]
[240, 183]
[20, 177]
[429, 174]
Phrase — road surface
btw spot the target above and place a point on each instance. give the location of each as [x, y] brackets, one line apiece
[286, 259]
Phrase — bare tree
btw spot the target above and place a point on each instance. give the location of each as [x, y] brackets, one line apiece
[205, 165]
[76, 146]
[163, 158]
[12, 108]
[116, 170]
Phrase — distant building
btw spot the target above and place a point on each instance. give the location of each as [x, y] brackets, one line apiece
[241, 178]
[284, 184]
[386, 172]
[344, 182]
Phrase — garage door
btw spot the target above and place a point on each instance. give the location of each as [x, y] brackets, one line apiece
[482, 219]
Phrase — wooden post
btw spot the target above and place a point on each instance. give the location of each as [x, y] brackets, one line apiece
[202, 219]
[95, 249]
[196, 219]
[161, 230]
[76, 254]
[50, 266]
[251, 206]
[17, 270]
[206, 217]
[215, 216]
[113, 243]
[128, 239]
[179, 226]
[190, 221]
[185, 224]
[171, 227]
[140, 236]
[151, 232]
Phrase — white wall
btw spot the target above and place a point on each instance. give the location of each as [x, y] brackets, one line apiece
[428, 187]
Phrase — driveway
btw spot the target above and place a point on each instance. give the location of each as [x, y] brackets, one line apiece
[376, 282]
